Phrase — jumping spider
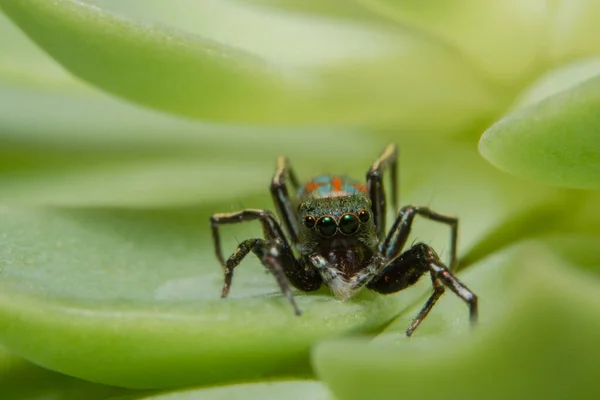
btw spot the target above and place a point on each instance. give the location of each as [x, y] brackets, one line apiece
[337, 226]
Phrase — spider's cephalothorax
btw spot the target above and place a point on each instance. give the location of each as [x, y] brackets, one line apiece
[336, 225]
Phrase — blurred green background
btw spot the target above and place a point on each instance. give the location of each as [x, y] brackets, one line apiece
[124, 124]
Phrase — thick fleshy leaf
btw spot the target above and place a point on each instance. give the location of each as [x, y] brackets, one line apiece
[401, 76]
[554, 141]
[536, 337]
[479, 29]
[293, 390]
[145, 62]
[124, 298]
[134, 294]
[69, 153]
[353, 11]
[476, 28]
[22, 61]
[558, 80]
[21, 380]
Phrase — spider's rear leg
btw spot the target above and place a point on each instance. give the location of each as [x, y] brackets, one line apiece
[281, 197]
[387, 160]
[274, 253]
[406, 269]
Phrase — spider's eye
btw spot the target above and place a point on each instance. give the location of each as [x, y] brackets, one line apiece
[309, 221]
[326, 226]
[364, 215]
[349, 224]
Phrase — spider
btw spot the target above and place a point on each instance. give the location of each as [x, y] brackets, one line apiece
[336, 225]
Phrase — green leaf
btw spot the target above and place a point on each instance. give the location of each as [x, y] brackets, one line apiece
[107, 55]
[21, 380]
[69, 153]
[475, 28]
[558, 80]
[23, 61]
[553, 141]
[351, 10]
[397, 79]
[293, 390]
[478, 29]
[536, 337]
[124, 298]
[134, 295]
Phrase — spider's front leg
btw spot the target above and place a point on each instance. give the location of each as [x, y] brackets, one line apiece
[274, 252]
[397, 236]
[406, 269]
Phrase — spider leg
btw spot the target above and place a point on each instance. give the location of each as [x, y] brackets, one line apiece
[274, 253]
[281, 196]
[406, 269]
[438, 291]
[387, 160]
[271, 228]
[267, 254]
[397, 236]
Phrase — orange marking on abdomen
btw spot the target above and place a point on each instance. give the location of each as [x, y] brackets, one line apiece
[336, 184]
[360, 188]
[312, 186]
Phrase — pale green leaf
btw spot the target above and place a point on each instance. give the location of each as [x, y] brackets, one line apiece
[132, 299]
[536, 337]
[554, 141]
[134, 294]
[558, 80]
[505, 40]
[274, 390]
[21, 380]
[382, 78]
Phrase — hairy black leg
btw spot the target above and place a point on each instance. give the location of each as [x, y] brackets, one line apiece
[274, 253]
[281, 196]
[438, 291]
[270, 256]
[406, 269]
[397, 236]
[387, 160]
[271, 228]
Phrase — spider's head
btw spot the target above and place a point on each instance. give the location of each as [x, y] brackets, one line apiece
[338, 219]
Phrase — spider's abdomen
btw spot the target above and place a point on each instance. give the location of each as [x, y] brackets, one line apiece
[330, 186]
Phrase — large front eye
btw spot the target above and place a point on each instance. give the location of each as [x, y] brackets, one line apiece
[349, 224]
[326, 226]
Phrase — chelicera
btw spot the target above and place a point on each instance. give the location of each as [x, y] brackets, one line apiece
[336, 226]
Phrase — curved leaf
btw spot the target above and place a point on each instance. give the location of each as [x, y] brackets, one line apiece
[123, 298]
[554, 141]
[558, 80]
[21, 380]
[134, 294]
[293, 390]
[388, 79]
[535, 337]
[479, 30]
[476, 28]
